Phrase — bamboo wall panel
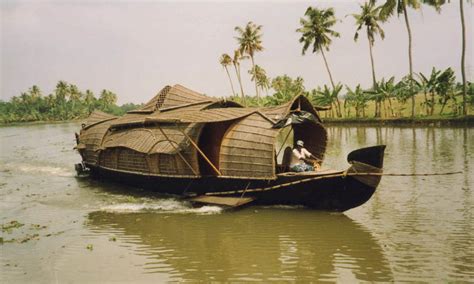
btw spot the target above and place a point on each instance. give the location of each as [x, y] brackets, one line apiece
[247, 149]
[109, 158]
[130, 160]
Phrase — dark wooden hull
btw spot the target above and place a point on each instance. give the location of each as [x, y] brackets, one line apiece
[333, 191]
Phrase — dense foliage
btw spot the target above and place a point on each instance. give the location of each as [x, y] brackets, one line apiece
[386, 97]
[66, 102]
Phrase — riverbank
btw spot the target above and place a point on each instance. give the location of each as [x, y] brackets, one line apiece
[435, 121]
[40, 122]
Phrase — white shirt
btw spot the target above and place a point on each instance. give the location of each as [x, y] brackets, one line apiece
[297, 156]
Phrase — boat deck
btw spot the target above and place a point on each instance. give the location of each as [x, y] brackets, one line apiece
[311, 174]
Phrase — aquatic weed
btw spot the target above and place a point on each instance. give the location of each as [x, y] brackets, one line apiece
[8, 227]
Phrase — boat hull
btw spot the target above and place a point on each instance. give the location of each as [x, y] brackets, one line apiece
[331, 191]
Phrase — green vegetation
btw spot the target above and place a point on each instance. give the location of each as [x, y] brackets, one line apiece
[434, 96]
[66, 102]
[439, 96]
[8, 227]
[316, 30]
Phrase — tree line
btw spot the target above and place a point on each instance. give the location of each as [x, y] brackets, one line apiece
[438, 89]
[66, 102]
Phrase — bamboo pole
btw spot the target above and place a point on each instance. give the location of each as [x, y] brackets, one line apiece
[343, 174]
[177, 151]
[286, 138]
[199, 150]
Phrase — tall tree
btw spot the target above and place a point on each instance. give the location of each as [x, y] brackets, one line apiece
[370, 18]
[236, 62]
[250, 42]
[286, 88]
[463, 59]
[400, 6]
[260, 76]
[225, 60]
[316, 31]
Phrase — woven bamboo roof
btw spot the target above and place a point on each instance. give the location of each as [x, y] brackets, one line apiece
[201, 116]
[151, 140]
[96, 117]
[247, 143]
[169, 97]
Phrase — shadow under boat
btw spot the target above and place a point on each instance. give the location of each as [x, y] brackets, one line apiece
[268, 244]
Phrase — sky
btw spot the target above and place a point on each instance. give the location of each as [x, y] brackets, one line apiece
[135, 48]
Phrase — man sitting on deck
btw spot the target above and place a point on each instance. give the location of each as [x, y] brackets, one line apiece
[299, 159]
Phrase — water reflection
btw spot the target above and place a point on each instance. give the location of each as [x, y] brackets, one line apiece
[254, 244]
[424, 221]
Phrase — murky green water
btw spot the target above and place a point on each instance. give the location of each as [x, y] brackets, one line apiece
[79, 230]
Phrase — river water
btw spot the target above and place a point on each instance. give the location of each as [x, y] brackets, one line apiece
[78, 230]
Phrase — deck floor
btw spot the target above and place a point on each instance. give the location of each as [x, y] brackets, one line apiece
[311, 174]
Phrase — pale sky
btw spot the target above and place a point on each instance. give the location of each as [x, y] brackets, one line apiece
[134, 48]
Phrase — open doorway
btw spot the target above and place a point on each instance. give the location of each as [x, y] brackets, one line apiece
[210, 143]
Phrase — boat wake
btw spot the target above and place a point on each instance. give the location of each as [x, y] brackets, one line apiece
[55, 171]
[168, 206]
[37, 169]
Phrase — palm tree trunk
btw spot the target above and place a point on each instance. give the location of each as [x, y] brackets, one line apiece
[410, 60]
[338, 106]
[237, 71]
[230, 80]
[253, 68]
[374, 80]
[463, 58]
[327, 68]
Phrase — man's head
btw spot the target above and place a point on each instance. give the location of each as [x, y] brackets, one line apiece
[299, 144]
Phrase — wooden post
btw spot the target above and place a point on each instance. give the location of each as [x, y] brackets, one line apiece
[199, 150]
[177, 151]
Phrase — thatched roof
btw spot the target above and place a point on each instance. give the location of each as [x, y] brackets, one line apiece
[96, 117]
[201, 116]
[151, 140]
[172, 97]
[243, 139]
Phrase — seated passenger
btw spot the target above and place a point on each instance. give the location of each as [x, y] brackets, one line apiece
[300, 159]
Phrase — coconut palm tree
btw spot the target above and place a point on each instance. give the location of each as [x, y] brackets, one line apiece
[260, 76]
[236, 62]
[316, 30]
[225, 60]
[463, 59]
[369, 17]
[250, 42]
[400, 6]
